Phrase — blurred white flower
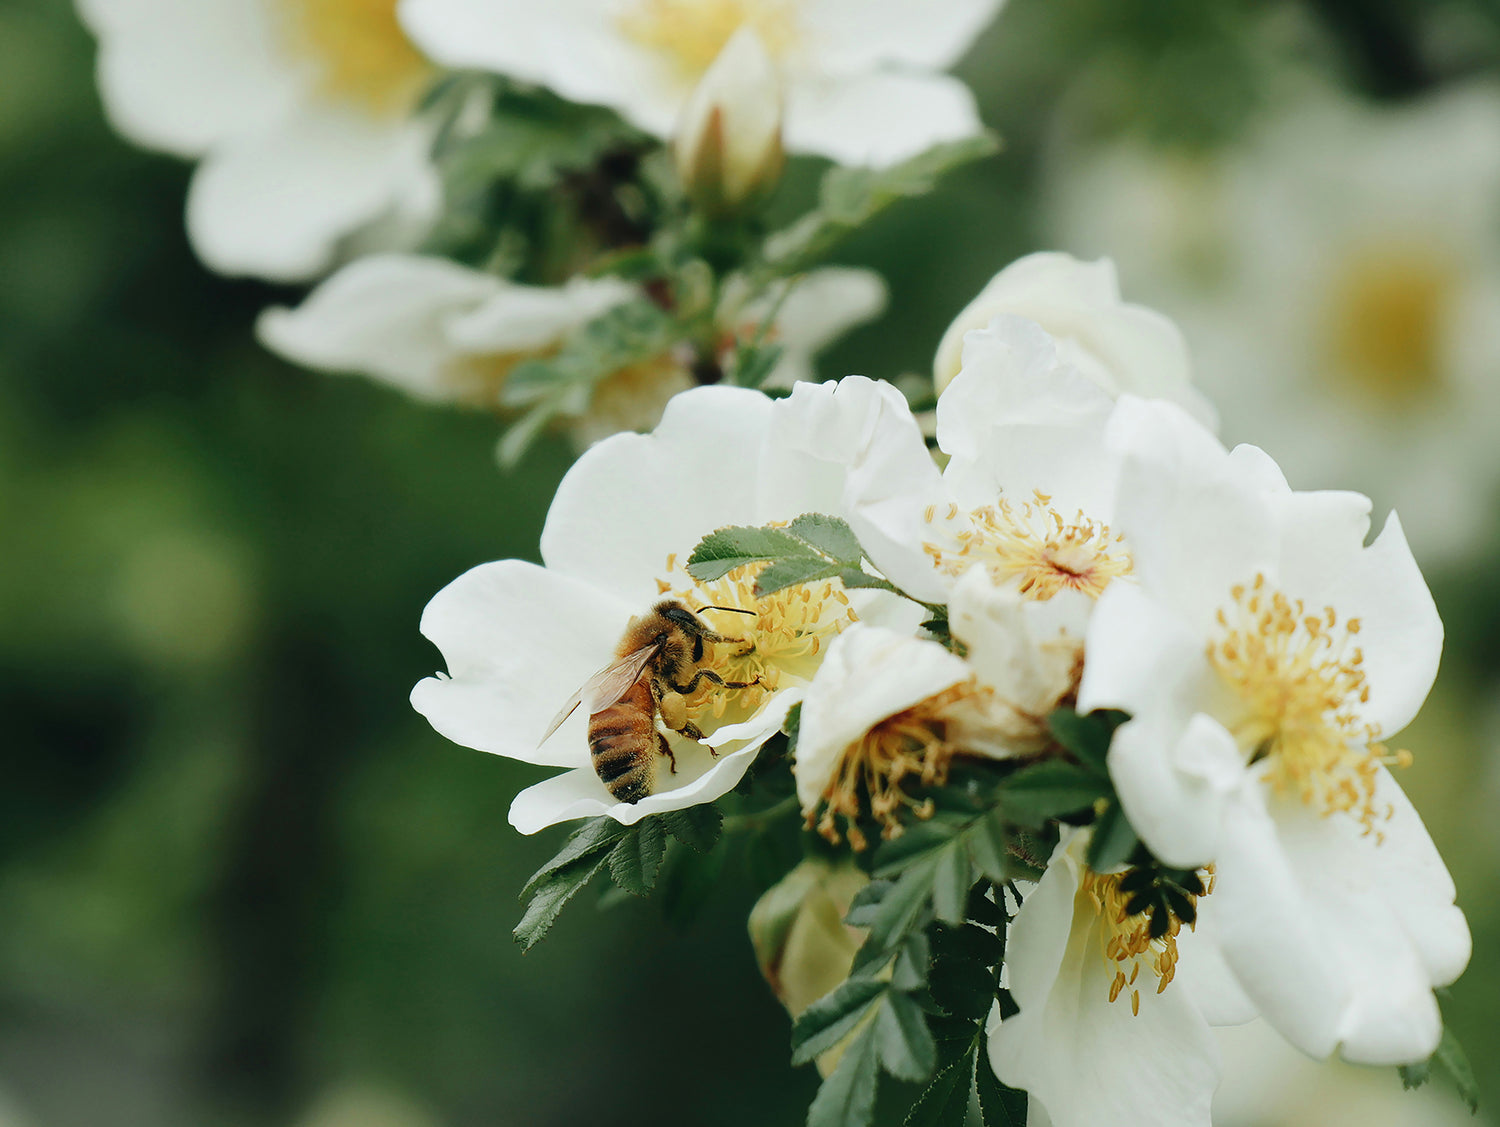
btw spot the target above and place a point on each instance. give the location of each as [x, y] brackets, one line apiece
[1113, 1025]
[443, 332]
[1263, 651]
[728, 148]
[518, 638]
[1121, 347]
[802, 944]
[299, 110]
[863, 81]
[1336, 275]
[430, 327]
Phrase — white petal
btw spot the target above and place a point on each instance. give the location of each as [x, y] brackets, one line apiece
[1401, 635]
[276, 203]
[1337, 936]
[388, 316]
[818, 309]
[853, 449]
[632, 500]
[878, 119]
[575, 47]
[1086, 1059]
[869, 674]
[528, 318]
[183, 75]
[1195, 524]
[1023, 649]
[855, 35]
[517, 640]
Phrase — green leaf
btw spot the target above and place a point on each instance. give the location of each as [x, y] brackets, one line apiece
[591, 837]
[1087, 737]
[962, 987]
[1113, 840]
[1451, 1059]
[847, 1098]
[829, 535]
[952, 878]
[999, 1106]
[910, 971]
[636, 858]
[696, 826]
[903, 908]
[688, 879]
[1046, 790]
[945, 1103]
[896, 854]
[907, 1050]
[551, 895]
[719, 553]
[828, 1020]
[791, 571]
[988, 847]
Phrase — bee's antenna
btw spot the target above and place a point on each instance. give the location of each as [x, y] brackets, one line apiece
[736, 610]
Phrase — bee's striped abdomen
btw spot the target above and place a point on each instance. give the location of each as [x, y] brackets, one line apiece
[623, 742]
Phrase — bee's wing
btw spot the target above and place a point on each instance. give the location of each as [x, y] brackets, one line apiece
[605, 687]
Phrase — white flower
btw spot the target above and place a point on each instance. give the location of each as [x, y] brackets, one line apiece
[436, 330]
[301, 114]
[887, 711]
[1336, 274]
[1263, 651]
[1121, 347]
[447, 333]
[728, 148]
[1028, 489]
[1113, 1026]
[862, 81]
[518, 638]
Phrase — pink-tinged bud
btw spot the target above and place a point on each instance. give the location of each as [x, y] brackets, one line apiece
[728, 148]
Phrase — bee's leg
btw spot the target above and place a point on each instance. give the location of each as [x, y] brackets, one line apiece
[666, 749]
[691, 731]
[709, 674]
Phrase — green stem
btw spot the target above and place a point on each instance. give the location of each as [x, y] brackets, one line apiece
[759, 819]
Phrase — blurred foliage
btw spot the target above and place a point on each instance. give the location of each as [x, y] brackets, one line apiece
[242, 883]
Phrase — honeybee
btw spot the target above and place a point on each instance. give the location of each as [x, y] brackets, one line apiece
[657, 664]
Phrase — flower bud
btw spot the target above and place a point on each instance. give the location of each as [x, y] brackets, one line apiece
[728, 148]
[801, 942]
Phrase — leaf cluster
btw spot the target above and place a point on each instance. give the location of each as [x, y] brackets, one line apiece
[632, 855]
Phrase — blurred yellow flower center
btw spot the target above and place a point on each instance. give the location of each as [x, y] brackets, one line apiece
[1031, 544]
[1299, 682]
[1126, 940]
[361, 52]
[911, 748]
[1385, 322]
[785, 637]
[631, 398]
[691, 33]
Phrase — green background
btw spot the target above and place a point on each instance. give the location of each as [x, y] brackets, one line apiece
[241, 882]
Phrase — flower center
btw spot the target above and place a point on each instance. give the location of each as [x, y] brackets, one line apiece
[1127, 941]
[691, 33]
[1033, 545]
[784, 639]
[632, 398]
[912, 748]
[1299, 682]
[1384, 322]
[361, 52]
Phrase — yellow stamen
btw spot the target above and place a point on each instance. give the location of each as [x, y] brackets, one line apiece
[1125, 940]
[1035, 546]
[1299, 681]
[911, 748]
